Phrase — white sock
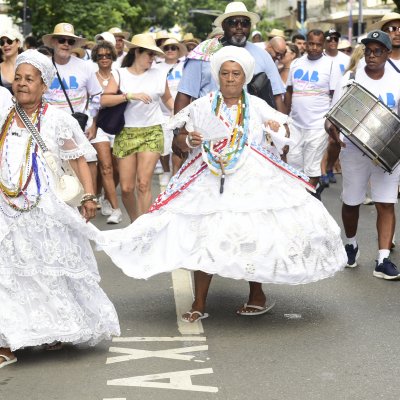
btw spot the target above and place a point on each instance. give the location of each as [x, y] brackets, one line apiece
[352, 241]
[383, 253]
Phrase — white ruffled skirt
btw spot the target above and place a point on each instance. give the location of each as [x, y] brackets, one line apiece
[49, 282]
[265, 227]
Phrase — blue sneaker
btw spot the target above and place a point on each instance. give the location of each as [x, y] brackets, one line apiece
[324, 181]
[386, 270]
[331, 177]
[352, 255]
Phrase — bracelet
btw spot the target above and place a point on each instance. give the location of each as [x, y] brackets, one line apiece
[188, 144]
[129, 96]
[88, 197]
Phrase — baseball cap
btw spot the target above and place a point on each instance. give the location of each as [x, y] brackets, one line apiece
[378, 36]
[332, 32]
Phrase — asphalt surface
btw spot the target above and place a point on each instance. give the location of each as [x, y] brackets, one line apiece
[334, 339]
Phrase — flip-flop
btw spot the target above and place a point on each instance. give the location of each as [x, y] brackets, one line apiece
[190, 313]
[261, 309]
[7, 361]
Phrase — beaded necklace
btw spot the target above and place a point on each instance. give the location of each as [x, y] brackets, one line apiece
[226, 160]
[29, 167]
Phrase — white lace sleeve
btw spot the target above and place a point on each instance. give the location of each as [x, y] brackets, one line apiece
[71, 141]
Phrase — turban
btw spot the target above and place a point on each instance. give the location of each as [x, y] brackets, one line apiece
[233, 53]
[40, 62]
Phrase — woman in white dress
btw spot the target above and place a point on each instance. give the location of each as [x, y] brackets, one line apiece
[233, 209]
[49, 282]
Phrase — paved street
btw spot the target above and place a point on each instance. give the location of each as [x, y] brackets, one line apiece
[334, 339]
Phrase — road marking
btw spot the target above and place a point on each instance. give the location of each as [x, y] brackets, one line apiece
[178, 380]
[117, 398]
[138, 354]
[160, 339]
[183, 293]
[292, 316]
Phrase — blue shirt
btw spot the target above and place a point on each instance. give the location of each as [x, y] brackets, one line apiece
[197, 80]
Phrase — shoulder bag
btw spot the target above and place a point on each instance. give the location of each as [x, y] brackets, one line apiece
[68, 187]
[260, 86]
[82, 118]
[111, 119]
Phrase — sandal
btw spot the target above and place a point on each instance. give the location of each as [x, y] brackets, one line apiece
[249, 309]
[8, 360]
[190, 315]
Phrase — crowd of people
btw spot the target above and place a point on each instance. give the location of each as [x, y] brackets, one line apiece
[237, 127]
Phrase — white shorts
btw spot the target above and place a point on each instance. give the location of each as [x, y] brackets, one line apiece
[358, 170]
[102, 136]
[310, 145]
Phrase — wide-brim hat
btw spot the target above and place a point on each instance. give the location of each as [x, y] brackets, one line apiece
[344, 44]
[119, 32]
[173, 42]
[236, 8]
[79, 51]
[276, 32]
[162, 35]
[66, 30]
[144, 40]
[385, 19]
[188, 38]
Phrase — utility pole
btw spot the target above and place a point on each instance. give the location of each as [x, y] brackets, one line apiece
[360, 17]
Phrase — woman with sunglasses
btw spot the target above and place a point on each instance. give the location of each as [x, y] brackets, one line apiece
[11, 46]
[172, 67]
[104, 54]
[139, 145]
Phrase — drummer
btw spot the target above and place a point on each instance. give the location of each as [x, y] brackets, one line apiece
[384, 83]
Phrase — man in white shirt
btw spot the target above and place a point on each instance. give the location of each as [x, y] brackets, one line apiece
[379, 78]
[310, 86]
[119, 44]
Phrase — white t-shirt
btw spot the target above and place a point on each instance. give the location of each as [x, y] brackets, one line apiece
[387, 89]
[340, 61]
[5, 99]
[80, 81]
[312, 81]
[151, 82]
[173, 74]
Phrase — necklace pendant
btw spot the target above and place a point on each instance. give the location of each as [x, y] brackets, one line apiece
[105, 82]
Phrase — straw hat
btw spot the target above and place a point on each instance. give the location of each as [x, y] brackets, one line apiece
[174, 42]
[79, 52]
[66, 30]
[236, 8]
[108, 36]
[276, 32]
[119, 32]
[344, 44]
[189, 38]
[144, 40]
[385, 19]
[162, 35]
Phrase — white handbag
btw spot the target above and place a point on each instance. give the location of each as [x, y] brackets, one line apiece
[67, 185]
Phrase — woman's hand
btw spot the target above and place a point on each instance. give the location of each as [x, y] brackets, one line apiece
[88, 210]
[194, 139]
[273, 125]
[145, 98]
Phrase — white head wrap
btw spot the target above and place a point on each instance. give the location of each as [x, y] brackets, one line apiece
[40, 62]
[233, 53]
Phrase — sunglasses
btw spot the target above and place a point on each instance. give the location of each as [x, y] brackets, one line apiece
[8, 41]
[392, 29]
[172, 48]
[376, 52]
[62, 40]
[234, 22]
[332, 39]
[151, 53]
[107, 56]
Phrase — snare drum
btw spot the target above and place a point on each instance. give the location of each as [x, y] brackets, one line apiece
[369, 124]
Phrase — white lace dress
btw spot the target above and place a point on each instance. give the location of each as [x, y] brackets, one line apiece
[49, 282]
[264, 227]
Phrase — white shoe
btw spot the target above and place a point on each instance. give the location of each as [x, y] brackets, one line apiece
[158, 170]
[106, 208]
[164, 178]
[115, 217]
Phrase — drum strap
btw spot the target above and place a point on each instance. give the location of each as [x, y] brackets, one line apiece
[394, 65]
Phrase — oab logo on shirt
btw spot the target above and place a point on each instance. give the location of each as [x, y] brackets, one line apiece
[390, 100]
[72, 84]
[306, 76]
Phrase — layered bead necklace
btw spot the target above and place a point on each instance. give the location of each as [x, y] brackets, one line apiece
[27, 169]
[226, 160]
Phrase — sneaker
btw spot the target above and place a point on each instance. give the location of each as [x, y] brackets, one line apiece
[106, 208]
[164, 178]
[324, 181]
[158, 170]
[386, 270]
[115, 217]
[331, 176]
[352, 255]
[368, 201]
